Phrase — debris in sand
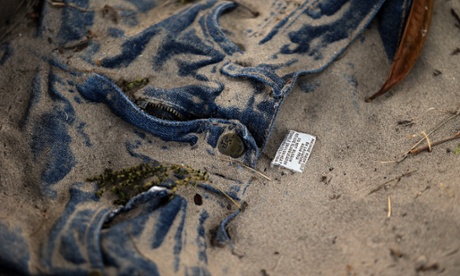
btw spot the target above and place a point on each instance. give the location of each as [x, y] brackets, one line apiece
[389, 207]
[397, 179]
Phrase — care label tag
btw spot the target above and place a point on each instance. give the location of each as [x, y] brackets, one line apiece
[294, 151]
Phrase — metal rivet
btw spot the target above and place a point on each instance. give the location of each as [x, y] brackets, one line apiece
[231, 144]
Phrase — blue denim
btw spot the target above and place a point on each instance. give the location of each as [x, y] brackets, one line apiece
[215, 79]
[212, 63]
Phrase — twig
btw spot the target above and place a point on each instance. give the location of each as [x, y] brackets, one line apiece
[427, 140]
[247, 167]
[15, 23]
[9, 30]
[452, 252]
[436, 128]
[412, 149]
[77, 47]
[389, 207]
[62, 4]
[391, 180]
[226, 195]
[417, 151]
[278, 263]
[20, 5]
[165, 4]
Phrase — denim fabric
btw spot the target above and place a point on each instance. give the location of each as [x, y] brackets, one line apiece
[211, 71]
[211, 80]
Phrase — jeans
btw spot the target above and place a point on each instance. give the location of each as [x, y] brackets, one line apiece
[214, 74]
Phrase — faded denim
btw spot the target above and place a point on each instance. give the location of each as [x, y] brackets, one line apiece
[206, 80]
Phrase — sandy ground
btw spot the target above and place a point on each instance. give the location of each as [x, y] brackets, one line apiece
[351, 212]
[333, 219]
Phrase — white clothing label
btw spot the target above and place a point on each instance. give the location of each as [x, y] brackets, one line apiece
[294, 151]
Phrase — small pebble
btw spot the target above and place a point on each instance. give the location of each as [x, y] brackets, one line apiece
[420, 262]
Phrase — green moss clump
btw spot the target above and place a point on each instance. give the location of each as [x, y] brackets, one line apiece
[132, 181]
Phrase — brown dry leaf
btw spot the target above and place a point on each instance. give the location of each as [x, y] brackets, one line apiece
[410, 47]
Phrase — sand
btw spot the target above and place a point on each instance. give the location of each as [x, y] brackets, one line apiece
[355, 210]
